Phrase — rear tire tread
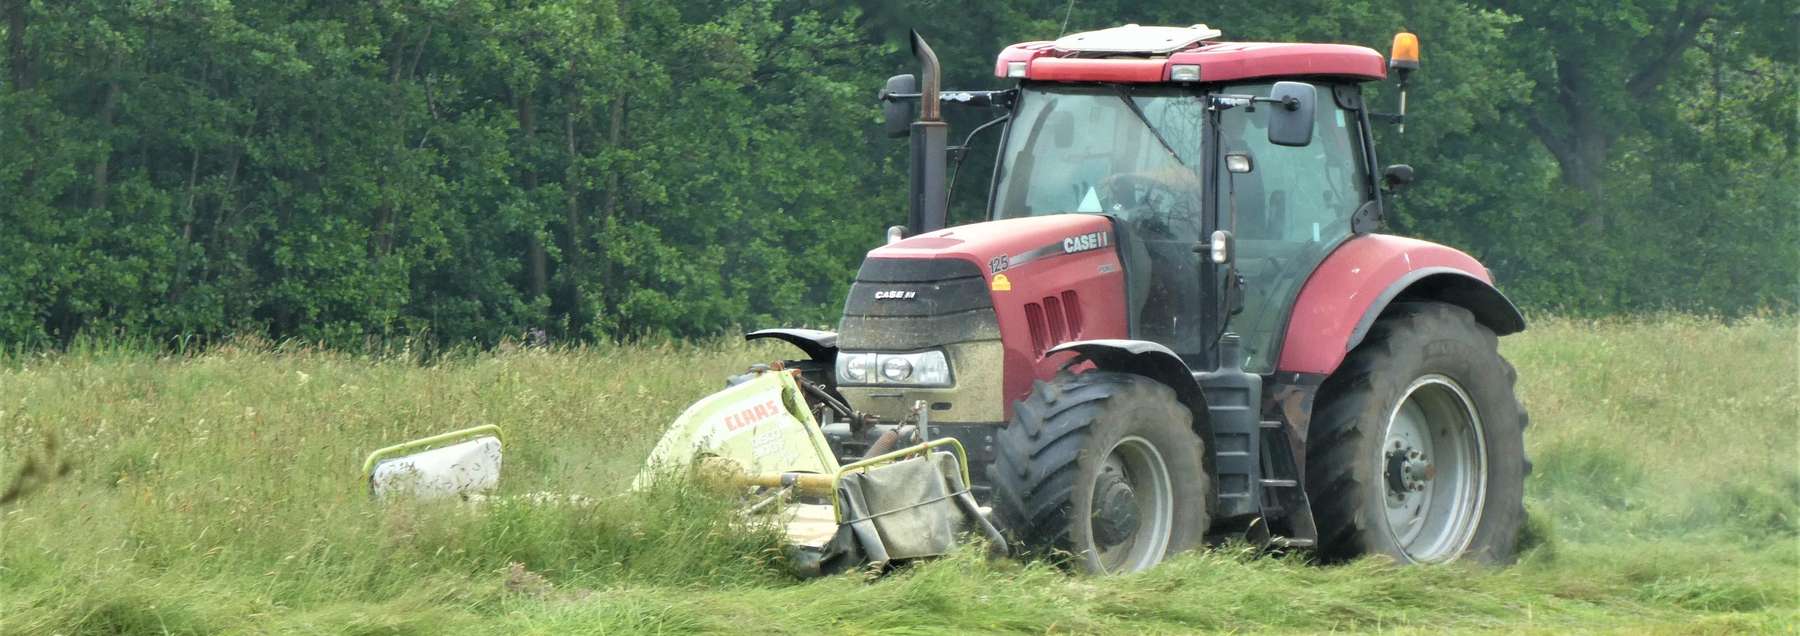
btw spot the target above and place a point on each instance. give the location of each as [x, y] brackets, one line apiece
[1337, 434]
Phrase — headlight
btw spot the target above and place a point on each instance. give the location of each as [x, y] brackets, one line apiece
[926, 368]
[896, 368]
[854, 367]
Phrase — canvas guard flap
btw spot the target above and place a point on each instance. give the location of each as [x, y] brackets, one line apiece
[907, 509]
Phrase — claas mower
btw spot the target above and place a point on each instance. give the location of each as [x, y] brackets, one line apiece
[1179, 324]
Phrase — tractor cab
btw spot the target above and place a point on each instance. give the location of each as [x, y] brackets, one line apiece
[1177, 138]
[1147, 157]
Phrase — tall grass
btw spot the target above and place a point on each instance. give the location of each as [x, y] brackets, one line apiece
[218, 491]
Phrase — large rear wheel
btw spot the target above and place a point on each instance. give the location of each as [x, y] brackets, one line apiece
[1104, 467]
[1417, 447]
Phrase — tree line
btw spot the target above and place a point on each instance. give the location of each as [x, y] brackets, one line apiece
[469, 170]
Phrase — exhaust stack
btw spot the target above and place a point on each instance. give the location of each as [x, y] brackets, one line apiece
[928, 202]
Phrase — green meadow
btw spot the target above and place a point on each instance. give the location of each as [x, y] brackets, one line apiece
[219, 492]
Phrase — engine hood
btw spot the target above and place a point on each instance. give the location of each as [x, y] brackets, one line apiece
[996, 246]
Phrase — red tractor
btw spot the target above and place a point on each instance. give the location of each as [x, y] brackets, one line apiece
[1179, 322]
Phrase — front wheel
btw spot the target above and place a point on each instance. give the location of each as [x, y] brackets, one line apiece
[1105, 467]
[1417, 450]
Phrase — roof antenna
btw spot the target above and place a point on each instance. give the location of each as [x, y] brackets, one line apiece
[1066, 13]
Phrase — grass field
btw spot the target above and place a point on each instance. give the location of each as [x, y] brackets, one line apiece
[219, 493]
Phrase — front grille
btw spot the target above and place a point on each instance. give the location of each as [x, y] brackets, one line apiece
[902, 304]
[890, 287]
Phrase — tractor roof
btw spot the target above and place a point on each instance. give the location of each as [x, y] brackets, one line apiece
[1139, 54]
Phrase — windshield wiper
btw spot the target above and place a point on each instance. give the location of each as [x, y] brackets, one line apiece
[1139, 111]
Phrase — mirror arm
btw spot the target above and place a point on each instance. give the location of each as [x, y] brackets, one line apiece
[957, 153]
[1287, 103]
[1391, 118]
[985, 99]
[1220, 101]
[1249, 102]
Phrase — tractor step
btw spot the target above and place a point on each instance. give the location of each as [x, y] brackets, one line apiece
[1234, 404]
[1284, 501]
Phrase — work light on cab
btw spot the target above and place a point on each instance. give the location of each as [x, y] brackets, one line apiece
[1403, 59]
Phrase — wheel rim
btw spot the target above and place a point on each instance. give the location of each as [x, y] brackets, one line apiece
[1434, 470]
[1132, 508]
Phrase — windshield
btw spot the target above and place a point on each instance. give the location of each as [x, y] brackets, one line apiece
[1133, 153]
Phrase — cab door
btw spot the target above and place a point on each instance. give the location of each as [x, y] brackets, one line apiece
[1289, 212]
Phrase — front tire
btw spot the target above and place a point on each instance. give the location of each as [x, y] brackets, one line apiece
[1105, 467]
[1417, 446]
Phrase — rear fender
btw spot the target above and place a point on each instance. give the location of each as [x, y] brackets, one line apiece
[817, 345]
[1443, 284]
[1343, 297]
[1154, 361]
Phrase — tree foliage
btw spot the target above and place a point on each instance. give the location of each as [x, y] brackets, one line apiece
[473, 169]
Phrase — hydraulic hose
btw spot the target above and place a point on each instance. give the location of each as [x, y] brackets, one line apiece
[889, 440]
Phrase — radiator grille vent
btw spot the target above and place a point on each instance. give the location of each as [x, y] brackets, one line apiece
[1053, 320]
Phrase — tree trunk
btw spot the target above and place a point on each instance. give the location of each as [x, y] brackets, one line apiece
[1585, 170]
[609, 206]
[1575, 126]
[536, 260]
[103, 165]
[17, 57]
[1578, 138]
[382, 233]
[1581, 158]
[540, 266]
[284, 306]
[614, 132]
[572, 220]
[179, 281]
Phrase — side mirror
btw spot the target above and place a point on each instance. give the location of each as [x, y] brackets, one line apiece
[897, 112]
[1396, 176]
[1291, 118]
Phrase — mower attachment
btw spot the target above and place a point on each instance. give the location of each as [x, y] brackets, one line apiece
[759, 435]
[760, 428]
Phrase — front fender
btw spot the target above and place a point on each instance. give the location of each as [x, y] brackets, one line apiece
[1344, 296]
[1141, 357]
[817, 345]
[1144, 358]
